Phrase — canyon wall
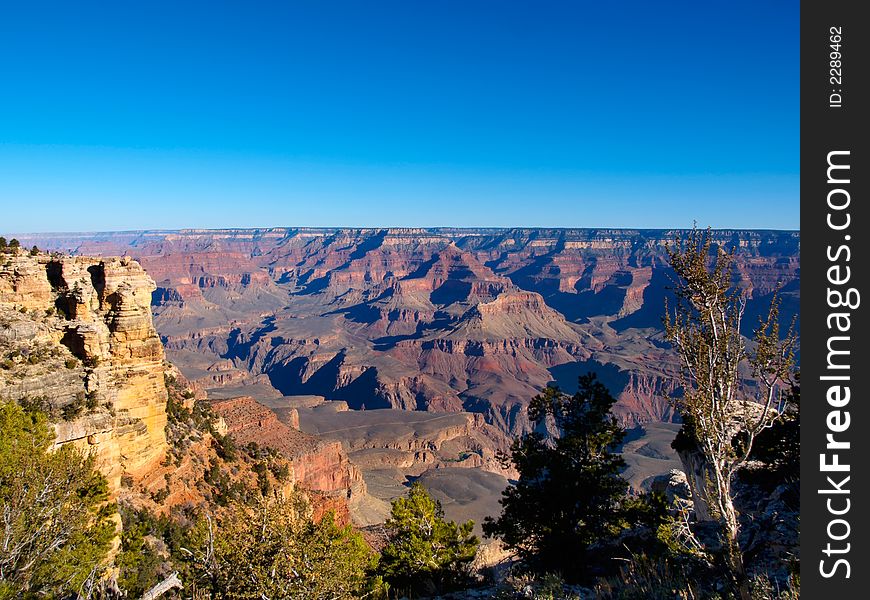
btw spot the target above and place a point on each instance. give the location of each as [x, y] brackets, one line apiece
[474, 320]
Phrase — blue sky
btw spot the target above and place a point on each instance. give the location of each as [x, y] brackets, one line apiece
[122, 115]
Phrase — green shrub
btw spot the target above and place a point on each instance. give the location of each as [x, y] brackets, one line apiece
[139, 565]
[226, 447]
[59, 526]
[74, 408]
[91, 400]
[160, 495]
[275, 550]
[262, 470]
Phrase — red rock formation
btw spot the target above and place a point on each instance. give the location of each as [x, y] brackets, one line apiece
[317, 464]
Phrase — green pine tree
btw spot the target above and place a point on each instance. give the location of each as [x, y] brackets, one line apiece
[570, 503]
[57, 520]
[426, 553]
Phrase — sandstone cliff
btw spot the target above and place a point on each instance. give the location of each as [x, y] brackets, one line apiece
[78, 340]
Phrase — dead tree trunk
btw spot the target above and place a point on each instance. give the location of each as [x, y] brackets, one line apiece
[173, 581]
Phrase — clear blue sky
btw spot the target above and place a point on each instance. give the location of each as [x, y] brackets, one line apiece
[131, 115]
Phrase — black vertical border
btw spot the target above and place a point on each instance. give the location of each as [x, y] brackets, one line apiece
[825, 129]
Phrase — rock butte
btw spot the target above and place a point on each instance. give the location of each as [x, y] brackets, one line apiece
[94, 313]
[318, 464]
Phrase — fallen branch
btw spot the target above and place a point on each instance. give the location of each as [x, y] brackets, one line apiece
[173, 581]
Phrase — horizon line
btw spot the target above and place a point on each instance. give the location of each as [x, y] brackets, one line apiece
[286, 228]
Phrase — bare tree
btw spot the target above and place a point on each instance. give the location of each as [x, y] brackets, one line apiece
[716, 406]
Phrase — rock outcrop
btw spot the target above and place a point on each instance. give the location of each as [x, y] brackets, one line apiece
[79, 342]
[318, 465]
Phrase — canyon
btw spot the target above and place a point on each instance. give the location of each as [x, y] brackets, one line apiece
[358, 337]
[428, 319]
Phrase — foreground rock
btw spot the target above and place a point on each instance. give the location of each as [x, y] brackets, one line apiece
[78, 341]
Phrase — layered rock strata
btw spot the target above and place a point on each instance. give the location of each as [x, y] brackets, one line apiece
[318, 465]
[429, 319]
[79, 342]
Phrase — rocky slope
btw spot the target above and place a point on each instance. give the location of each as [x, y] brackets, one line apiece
[318, 464]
